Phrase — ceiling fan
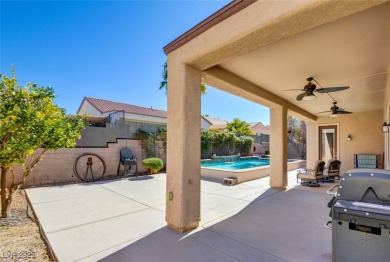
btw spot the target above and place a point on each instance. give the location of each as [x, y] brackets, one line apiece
[310, 88]
[335, 111]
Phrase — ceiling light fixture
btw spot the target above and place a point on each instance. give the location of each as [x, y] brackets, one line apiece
[334, 115]
[385, 127]
[309, 97]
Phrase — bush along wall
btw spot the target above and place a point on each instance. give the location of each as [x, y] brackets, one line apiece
[149, 142]
[223, 143]
[95, 121]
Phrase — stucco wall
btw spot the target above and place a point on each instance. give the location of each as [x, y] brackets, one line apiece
[145, 119]
[259, 129]
[87, 108]
[204, 124]
[262, 147]
[93, 136]
[57, 166]
[365, 129]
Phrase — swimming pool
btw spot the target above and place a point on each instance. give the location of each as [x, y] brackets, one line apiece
[244, 169]
[240, 164]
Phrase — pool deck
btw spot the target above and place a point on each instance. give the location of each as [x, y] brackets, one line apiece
[124, 220]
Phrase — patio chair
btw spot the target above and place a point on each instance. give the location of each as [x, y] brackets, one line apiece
[311, 177]
[128, 160]
[333, 169]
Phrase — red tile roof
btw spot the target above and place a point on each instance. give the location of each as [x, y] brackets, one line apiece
[216, 121]
[105, 106]
[261, 127]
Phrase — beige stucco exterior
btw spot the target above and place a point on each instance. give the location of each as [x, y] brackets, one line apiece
[365, 130]
[217, 56]
[183, 174]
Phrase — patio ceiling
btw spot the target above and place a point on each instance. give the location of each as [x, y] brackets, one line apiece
[336, 48]
[353, 51]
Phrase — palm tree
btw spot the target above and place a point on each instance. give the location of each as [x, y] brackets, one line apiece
[239, 126]
[164, 83]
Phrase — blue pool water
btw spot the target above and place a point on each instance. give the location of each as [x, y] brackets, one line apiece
[239, 164]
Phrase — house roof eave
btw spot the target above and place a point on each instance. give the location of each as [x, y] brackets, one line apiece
[219, 16]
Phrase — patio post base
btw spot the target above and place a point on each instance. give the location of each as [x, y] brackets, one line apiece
[278, 188]
[184, 229]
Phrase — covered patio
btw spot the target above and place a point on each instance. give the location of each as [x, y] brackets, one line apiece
[259, 49]
[123, 220]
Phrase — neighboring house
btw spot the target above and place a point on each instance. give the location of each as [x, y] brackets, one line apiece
[139, 114]
[258, 128]
[214, 123]
[205, 122]
[132, 113]
[220, 124]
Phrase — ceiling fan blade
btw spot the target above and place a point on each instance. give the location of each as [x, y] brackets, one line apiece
[323, 112]
[332, 89]
[294, 90]
[343, 112]
[301, 96]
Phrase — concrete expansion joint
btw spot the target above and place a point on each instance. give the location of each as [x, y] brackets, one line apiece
[50, 201]
[256, 200]
[239, 208]
[93, 222]
[242, 243]
[218, 250]
[127, 197]
[124, 242]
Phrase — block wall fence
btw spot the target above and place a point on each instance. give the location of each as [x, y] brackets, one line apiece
[57, 165]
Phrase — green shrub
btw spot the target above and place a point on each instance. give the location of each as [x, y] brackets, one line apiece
[206, 137]
[223, 142]
[162, 136]
[153, 163]
[244, 145]
[96, 121]
[148, 142]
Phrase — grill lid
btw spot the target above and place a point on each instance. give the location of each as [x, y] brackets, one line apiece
[365, 185]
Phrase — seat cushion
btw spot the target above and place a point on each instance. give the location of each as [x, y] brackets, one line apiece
[306, 175]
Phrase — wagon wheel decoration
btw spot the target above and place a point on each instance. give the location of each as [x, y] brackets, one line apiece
[89, 167]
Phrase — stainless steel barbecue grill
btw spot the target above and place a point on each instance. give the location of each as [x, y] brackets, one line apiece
[361, 216]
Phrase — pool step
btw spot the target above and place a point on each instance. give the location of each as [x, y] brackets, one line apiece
[230, 181]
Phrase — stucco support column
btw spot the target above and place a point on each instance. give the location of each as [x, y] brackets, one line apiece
[183, 147]
[311, 143]
[278, 148]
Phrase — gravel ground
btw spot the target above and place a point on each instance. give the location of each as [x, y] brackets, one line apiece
[20, 236]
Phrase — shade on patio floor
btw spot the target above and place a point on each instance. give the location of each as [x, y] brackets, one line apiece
[124, 220]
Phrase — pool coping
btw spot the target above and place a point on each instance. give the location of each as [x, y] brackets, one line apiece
[248, 173]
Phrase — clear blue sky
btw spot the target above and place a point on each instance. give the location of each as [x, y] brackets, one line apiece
[106, 49]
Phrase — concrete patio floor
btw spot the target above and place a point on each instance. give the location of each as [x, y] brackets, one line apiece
[124, 220]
